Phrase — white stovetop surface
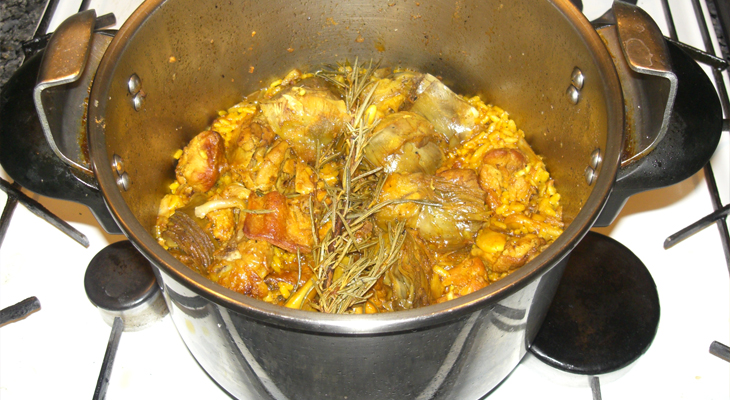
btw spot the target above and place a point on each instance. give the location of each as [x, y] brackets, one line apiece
[57, 351]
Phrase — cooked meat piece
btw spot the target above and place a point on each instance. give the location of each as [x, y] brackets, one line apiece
[467, 277]
[517, 252]
[221, 224]
[245, 268]
[250, 137]
[202, 161]
[499, 173]
[267, 171]
[285, 225]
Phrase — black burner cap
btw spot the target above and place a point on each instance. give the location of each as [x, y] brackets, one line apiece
[119, 278]
[605, 312]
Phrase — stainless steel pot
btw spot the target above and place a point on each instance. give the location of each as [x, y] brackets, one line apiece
[175, 63]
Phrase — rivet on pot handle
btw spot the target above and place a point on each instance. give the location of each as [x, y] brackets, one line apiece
[134, 85]
[591, 170]
[123, 180]
[576, 84]
[64, 63]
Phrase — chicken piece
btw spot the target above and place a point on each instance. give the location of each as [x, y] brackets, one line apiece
[517, 252]
[249, 138]
[548, 229]
[267, 172]
[221, 224]
[448, 112]
[405, 142]
[467, 277]
[243, 267]
[304, 179]
[285, 225]
[504, 253]
[393, 94]
[202, 161]
[498, 173]
[307, 116]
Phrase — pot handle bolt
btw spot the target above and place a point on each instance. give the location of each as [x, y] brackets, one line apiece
[123, 181]
[577, 78]
[596, 159]
[573, 94]
[576, 84]
[134, 84]
[590, 172]
[590, 175]
[137, 100]
[117, 164]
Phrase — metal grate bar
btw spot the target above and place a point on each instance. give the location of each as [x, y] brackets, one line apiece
[670, 20]
[722, 92]
[710, 49]
[719, 11]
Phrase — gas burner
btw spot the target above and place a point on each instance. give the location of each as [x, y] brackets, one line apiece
[605, 312]
[120, 282]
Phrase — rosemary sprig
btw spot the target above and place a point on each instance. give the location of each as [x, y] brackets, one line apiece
[359, 276]
[351, 79]
[350, 259]
[346, 265]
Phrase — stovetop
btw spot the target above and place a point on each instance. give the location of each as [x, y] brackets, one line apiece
[58, 350]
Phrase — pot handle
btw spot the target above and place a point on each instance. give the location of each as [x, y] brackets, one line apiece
[672, 115]
[64, 63]
[44, 111]
[648, 82]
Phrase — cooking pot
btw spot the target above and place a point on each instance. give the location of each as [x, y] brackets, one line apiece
[612, 108]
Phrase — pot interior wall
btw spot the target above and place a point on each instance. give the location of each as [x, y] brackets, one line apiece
[197, 57]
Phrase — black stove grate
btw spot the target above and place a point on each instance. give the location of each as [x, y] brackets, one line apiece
[721, 24]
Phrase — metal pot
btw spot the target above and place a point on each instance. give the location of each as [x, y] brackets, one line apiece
[599, 106]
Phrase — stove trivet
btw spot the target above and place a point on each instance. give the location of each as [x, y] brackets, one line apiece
[701, 224]
[19, 310]
[720, 350]
[605, 312]
[120, 282]
[720, 18]
[37, 209]
[6, 216]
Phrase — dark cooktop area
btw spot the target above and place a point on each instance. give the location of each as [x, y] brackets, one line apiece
[18, 21]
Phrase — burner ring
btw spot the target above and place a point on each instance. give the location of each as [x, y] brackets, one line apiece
[605, 312]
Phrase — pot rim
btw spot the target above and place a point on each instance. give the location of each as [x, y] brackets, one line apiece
[354, 324]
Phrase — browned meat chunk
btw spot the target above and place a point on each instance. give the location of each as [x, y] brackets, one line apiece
[202, 161]
[284, 226]
[499, 173]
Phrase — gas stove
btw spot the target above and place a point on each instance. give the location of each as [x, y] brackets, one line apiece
[58, 350]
